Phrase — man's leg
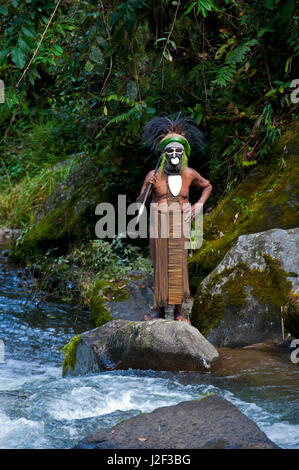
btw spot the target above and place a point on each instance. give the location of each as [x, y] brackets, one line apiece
[178, 315]
[155, 315]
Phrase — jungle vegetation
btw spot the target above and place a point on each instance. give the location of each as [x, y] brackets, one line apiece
[82, 78]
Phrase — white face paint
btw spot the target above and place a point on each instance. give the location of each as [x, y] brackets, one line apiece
[174, 152]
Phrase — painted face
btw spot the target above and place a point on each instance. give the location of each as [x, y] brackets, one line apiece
[174, 155]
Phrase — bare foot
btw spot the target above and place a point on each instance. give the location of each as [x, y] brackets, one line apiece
[181, 318]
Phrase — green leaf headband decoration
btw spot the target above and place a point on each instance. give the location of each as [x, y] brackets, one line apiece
[181, 140]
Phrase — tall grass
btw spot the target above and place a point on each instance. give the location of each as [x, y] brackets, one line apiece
[20, 202]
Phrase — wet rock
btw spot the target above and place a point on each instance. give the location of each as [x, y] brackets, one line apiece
[239, 303]
[129, 298]
[4, 232]
[5, 253]
[157, 345]
[9, 233]
[209, 423]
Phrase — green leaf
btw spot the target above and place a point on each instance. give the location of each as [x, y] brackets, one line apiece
[57, 50]
[150, 110]
[3, 10]
[287, 64]
[96, 55]
[11, 99]
[158, 40]
[23, 45]
[285, 10]
[89, 66]
[266, 29]
[167, 55]
[27, 32]
[271, 92]
[190, 8]
[3, 55]
[18, 57]
[198, 118]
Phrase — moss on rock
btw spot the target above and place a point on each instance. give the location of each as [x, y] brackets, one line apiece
[103, 292]
[267, 198]
[269, 286]
[70, 352]
[68, 214]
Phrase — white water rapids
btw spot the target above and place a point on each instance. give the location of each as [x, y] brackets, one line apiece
[40, 409]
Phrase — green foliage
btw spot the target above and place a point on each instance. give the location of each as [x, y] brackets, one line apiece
[97, 77]
[90, 264]
[242, 204]
[20, 202]
[235, 56]
[201, 7]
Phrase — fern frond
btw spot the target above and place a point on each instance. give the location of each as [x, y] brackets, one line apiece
[117, 119]
[238, 54]
[120, 99]
[224, 75]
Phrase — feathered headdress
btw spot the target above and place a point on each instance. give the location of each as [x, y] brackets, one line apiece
[160, 131]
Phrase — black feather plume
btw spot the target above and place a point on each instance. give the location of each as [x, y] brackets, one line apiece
[157, 128]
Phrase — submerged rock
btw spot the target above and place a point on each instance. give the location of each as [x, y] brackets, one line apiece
[157, 345]
[209, 423]
[239, 303]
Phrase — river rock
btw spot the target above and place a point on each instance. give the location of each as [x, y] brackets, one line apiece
[10, 233]
[239, 303]
[267, 198]
[157, 344]
[209, 423]
[128, 298]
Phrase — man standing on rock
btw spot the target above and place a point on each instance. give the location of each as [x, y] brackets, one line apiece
[171, 213]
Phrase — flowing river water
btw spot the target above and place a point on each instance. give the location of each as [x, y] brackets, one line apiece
[40, 409]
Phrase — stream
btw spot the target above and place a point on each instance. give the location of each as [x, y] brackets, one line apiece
[40, 409]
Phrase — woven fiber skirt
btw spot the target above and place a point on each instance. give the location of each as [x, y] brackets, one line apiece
[169, 251]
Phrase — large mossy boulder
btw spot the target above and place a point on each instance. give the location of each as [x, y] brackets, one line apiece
[68, 214]
[266, 198]
[129, 297]
[240, 302]
[156, 345]
[211, 422]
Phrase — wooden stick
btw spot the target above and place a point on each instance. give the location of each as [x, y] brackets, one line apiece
[147, 191]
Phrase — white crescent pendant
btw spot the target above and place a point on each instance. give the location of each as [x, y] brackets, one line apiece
[175, 184]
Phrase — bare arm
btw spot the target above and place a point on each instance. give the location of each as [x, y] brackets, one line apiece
[150, 179]
[201, 183]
